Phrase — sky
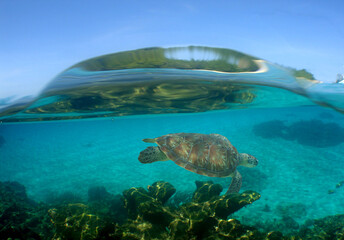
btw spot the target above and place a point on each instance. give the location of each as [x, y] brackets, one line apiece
[41, 38]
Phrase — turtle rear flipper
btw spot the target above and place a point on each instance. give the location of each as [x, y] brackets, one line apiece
[236, 183]
[149, 140]
[152, 154]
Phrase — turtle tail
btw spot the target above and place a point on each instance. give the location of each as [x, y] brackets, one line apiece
[149, 140]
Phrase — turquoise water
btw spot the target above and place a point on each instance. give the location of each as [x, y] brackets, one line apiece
[269, 114]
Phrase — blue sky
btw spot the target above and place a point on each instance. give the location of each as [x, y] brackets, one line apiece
[41, 38]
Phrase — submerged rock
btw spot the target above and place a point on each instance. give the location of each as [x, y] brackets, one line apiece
[317, 133]
[133, 198]
[161, 191]
[20, 217]
[233, 229]
[66, 197]
[221, 207]
[206, 191]
[294, 210]
[313, 132]
[97, 193]
[270, 129]
[74, 221]
[198, 218]
[331, 227]
[106, 205]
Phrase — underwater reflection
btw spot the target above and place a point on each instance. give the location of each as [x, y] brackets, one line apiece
[147, 98]
[315, 133]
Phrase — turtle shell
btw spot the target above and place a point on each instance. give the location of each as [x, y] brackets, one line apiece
[206, 154]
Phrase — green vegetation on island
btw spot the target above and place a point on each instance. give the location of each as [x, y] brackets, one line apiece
[225, 60]
[303, 73]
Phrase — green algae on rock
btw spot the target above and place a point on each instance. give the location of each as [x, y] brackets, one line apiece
[149, 217]
[161, 191]
[78, 222]
[197, 219]
[331, 227]
[206, 191]
[218, 206]
[73, 221]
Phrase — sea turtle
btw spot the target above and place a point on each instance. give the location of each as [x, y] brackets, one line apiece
[206, 154]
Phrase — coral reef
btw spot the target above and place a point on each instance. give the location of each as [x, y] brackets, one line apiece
[106, 205]
[62, 198]
[161, 191]
[148, 214]
[285, 224]
[284, 217]
[204, 217]
[331, 227]
[20, 217]
[270, 129]
[75, 221]
[314, 132]
[97, 193]
[294, 210]
[179, 198]
[206, 191]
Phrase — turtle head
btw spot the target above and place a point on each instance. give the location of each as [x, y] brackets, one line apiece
[248, 160]
[152, 154]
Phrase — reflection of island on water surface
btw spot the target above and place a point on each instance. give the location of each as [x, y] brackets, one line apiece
[143, 98]
[158, 81]
[314, 132]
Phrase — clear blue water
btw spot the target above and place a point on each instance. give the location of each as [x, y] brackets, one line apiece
[299, 144]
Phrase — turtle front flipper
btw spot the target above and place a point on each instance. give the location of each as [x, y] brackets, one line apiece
[236, 183]
[152, 154]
